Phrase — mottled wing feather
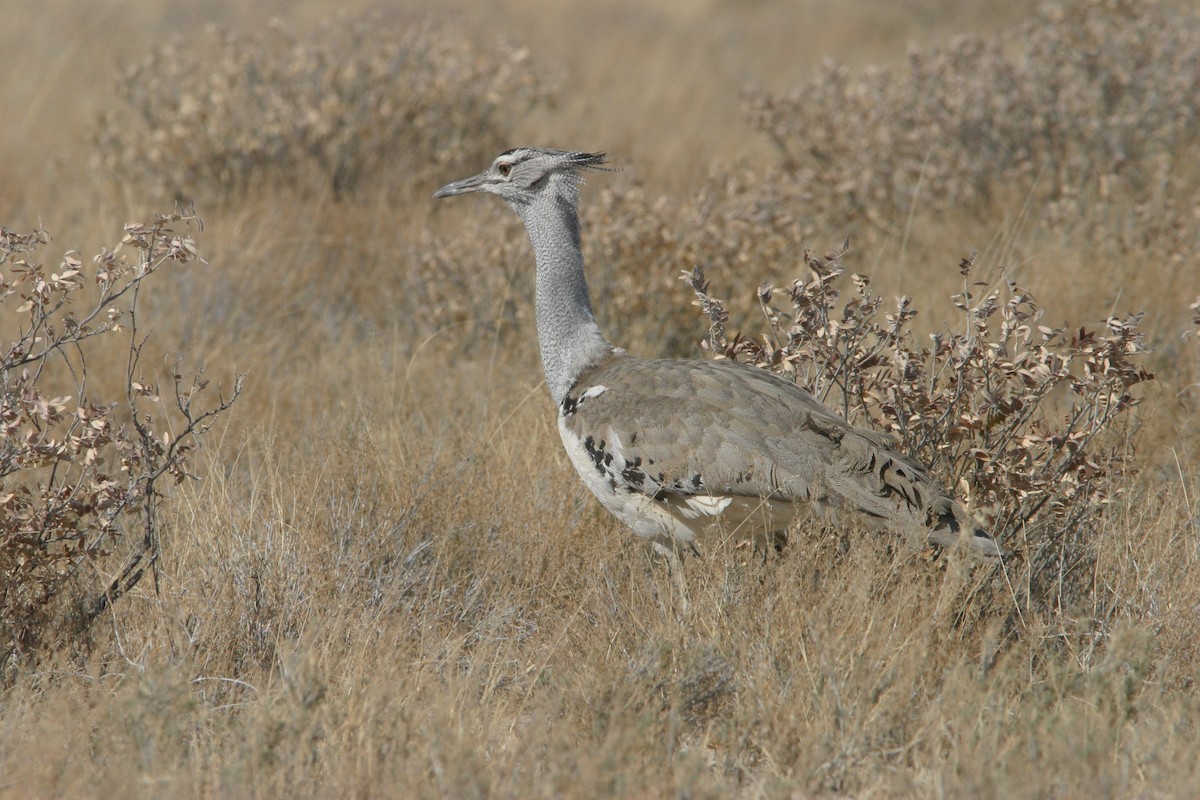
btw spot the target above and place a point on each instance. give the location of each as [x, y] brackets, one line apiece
[674, 429]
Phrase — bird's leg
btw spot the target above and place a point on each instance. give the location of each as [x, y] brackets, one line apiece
[675, 570]
[769, 542]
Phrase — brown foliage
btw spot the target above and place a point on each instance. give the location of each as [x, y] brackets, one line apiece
[355, 102]
[1081, 113]
[1029, 420]
[75, 470]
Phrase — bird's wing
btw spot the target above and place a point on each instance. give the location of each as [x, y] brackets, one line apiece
[676, 429]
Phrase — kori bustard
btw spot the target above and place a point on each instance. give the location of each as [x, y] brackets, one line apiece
[673, 447]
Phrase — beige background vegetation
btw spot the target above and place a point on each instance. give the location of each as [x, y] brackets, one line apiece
[388, 582]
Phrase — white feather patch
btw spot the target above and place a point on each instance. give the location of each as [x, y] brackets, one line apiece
[593, 391]
[704, 505]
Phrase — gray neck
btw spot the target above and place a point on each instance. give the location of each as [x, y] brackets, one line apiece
[567, 332]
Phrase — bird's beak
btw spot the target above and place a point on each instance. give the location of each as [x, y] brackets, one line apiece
[464, 186]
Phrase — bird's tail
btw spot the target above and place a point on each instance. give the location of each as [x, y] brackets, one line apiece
[899, 494]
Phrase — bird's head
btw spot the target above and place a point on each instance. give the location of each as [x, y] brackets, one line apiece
[524, 174]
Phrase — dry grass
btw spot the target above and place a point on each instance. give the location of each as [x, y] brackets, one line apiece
[389, 582]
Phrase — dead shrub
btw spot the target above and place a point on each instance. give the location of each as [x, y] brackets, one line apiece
[357, 103]
[637, 244]
[79, 470]
[1085, 113]
[1030, 422]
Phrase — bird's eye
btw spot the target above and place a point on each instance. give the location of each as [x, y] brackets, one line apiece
[504, 169]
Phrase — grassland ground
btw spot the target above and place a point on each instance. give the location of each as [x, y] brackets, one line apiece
[388, 582]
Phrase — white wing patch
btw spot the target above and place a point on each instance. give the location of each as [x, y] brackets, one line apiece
[702, 505]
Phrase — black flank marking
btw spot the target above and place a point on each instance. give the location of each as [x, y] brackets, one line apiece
[633, 474]
[597, 454]
[633, 477]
